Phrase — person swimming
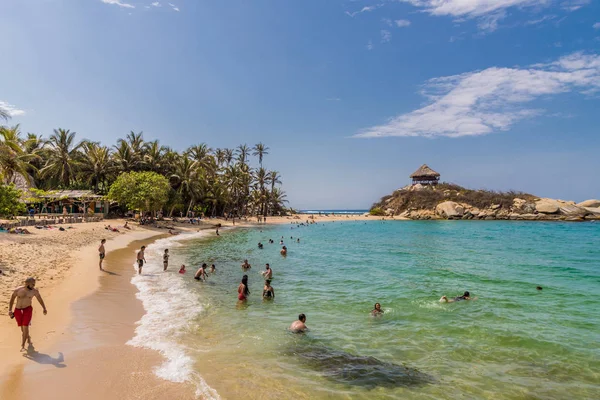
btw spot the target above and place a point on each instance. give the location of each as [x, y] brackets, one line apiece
[182, 269]
[268, 291]
[213, 269]
[299, 326]
[465, 296]
[243, 290]
[377, 310]
[260, 245]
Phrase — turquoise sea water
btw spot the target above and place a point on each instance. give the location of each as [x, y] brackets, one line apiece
[513, 342]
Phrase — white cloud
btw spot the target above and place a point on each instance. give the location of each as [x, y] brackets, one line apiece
[540, 20]
[370, 45]
[174, 7]
[156, 4]
[489, 12]
[402, 23]
[482, 102]
[364, 9]
[596, 25]
[386, 36]
[12, 110]
[118, 3]
[574, 5]
[387, 21]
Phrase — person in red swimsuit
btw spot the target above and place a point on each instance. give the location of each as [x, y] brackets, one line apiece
[243, 290]
[23, 310]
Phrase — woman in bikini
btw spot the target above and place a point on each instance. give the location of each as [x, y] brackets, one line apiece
[243, 290]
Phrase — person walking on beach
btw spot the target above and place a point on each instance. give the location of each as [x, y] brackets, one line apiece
[268, 273]
[268, 291]
[165, 259]
[101, 253]
[23, 310]
[243, 290]
[141, 259]
[299, 326]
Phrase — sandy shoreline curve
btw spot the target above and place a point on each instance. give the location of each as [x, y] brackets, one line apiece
[80, 344]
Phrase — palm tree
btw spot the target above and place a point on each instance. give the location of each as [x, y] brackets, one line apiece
[130, 152]
[4, 114]
[64, 157]
[260, 150]
[274, 178]
[243, 151]
[97, 165]
[154, 156]
[278, 199]
[260, 178]
[228, 156]
[14, 159]
[185, 180]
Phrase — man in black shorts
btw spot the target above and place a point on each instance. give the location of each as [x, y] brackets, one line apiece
[141, 259]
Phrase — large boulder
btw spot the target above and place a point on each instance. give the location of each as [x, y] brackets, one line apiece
[571, 210]
[449, 209]
[547, 206]
[594, 211]
[590, 203]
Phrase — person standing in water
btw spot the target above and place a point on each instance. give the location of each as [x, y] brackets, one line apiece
[213, 269]
[246, 266]
[268, 273]
[201, 273]
[299, 326]
[101, 253]
[23, 310]
[141, 259]
[243, 291]
[165, 259]
[283, 251]
[268, 291]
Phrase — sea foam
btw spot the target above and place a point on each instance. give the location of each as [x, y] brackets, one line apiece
[170, 309]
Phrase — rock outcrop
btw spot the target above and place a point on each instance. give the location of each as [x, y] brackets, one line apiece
[449, 209]
[448, 201]
[589, 203]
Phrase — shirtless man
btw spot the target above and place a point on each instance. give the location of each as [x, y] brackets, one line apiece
[165, 259]
[200, 275]
[268, 273]
[246, 266]
[141, 259]
[283, 251]
[465, 296]
[101, 252]
[23, 310]
[299, 326]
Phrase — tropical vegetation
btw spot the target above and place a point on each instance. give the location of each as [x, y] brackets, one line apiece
[215, 182]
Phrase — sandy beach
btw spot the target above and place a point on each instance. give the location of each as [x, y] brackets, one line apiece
[81, 343]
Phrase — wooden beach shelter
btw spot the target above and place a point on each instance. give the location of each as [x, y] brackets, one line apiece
[425, 176]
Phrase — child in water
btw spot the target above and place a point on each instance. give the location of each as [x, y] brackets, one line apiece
[182, 269]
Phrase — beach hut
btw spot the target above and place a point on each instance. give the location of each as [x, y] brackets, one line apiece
[425, 176]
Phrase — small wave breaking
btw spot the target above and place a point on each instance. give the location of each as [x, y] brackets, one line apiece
[167, 317]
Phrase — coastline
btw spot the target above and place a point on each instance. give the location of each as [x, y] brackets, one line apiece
[69, 337]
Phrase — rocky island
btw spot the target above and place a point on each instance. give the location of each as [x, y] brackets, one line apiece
[426, 198]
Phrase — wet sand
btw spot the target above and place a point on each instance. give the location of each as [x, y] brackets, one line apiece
[84, 350]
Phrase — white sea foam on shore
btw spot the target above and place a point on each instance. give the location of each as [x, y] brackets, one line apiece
[170, 308]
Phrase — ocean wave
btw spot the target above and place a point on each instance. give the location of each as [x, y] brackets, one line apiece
[167, 316]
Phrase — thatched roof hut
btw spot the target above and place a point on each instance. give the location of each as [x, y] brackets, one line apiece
[425, 176]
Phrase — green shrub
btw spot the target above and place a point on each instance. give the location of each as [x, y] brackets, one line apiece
[376, 211]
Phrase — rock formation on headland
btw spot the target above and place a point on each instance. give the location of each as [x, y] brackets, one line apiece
[449, 201]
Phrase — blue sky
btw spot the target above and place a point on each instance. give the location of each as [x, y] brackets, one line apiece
[350, 96]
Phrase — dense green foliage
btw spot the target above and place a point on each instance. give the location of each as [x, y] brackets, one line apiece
[140, 190]
[9, 201]
[430, 196]
[216, 182]
[376, 211]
